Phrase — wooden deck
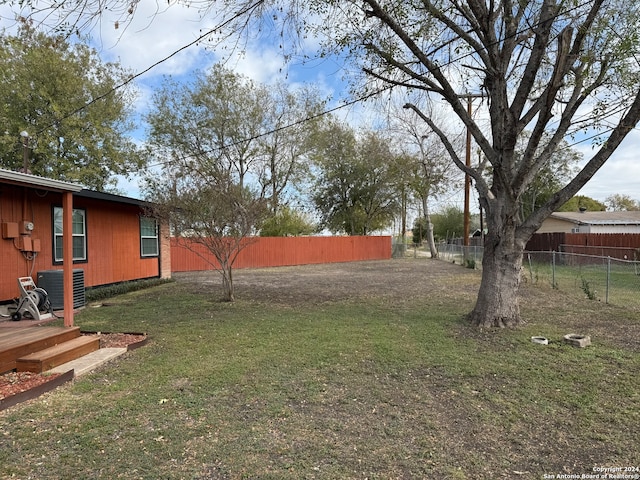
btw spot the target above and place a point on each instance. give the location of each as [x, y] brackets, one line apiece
[35, 344]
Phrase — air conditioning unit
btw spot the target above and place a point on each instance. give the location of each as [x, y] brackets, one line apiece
[52, 282]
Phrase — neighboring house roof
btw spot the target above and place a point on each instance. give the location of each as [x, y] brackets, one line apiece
[599, 218]
[27, 179]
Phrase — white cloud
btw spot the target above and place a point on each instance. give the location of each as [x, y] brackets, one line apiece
[620, 174]
[151, 37]
[155, 35]
[263, 65]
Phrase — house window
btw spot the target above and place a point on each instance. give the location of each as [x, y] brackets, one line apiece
[148, 237]
[79, 232]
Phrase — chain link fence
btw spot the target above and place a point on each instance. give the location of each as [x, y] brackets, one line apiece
[468, 256]
[601, 278]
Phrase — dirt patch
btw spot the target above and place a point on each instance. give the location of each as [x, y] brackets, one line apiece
[391, 280]
[403, 281]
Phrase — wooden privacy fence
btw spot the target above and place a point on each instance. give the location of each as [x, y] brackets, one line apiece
[616, 245]
[286, 251]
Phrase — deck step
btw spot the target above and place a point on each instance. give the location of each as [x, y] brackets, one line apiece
[19, 342]
[51, 357]
[89, 362]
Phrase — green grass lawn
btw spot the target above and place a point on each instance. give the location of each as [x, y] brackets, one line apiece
[336, 389]
[623, 287]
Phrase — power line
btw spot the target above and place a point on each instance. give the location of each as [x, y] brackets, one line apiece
[151, 67]
[372, 94]
[298, 122]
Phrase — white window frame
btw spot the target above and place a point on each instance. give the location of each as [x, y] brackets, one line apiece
[79, 238]
[144, 237]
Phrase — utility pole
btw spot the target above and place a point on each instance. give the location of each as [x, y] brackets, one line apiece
[467, 178]
[481, 216]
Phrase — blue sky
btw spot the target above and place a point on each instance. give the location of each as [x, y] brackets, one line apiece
[151, 37]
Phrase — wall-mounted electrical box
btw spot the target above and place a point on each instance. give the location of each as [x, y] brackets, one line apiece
[10, 230]
[25, 244]
[36, 247]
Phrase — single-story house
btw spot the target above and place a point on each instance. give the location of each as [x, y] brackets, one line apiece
[592, 222]
[113, 237]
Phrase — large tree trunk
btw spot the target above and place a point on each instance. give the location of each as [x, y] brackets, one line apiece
[427, 216]
[227, 284]
[430, 240]
[497, 303]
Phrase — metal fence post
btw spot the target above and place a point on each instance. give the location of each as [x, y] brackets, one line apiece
[553, 269]
[608, 279]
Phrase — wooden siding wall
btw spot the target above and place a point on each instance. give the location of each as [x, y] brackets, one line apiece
[615, 245]
[113, 240]
[113, 244]
[556, 225]
[12, 263]
[287, 251]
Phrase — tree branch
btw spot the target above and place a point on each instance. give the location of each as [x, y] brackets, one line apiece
[542, 31]
[473, 173]
[626, 124]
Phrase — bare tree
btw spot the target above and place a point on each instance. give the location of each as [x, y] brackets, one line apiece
[430, 172]
[540, 66]
[204, 135]
[209, 216]
[284, 150]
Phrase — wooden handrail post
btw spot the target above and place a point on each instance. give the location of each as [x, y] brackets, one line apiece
[67, 256]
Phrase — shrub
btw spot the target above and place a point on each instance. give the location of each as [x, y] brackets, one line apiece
[100, 293]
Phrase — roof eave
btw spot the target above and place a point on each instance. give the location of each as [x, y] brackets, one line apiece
[566, 219]
[28, 180]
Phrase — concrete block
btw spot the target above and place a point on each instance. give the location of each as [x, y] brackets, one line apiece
[577, 340]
